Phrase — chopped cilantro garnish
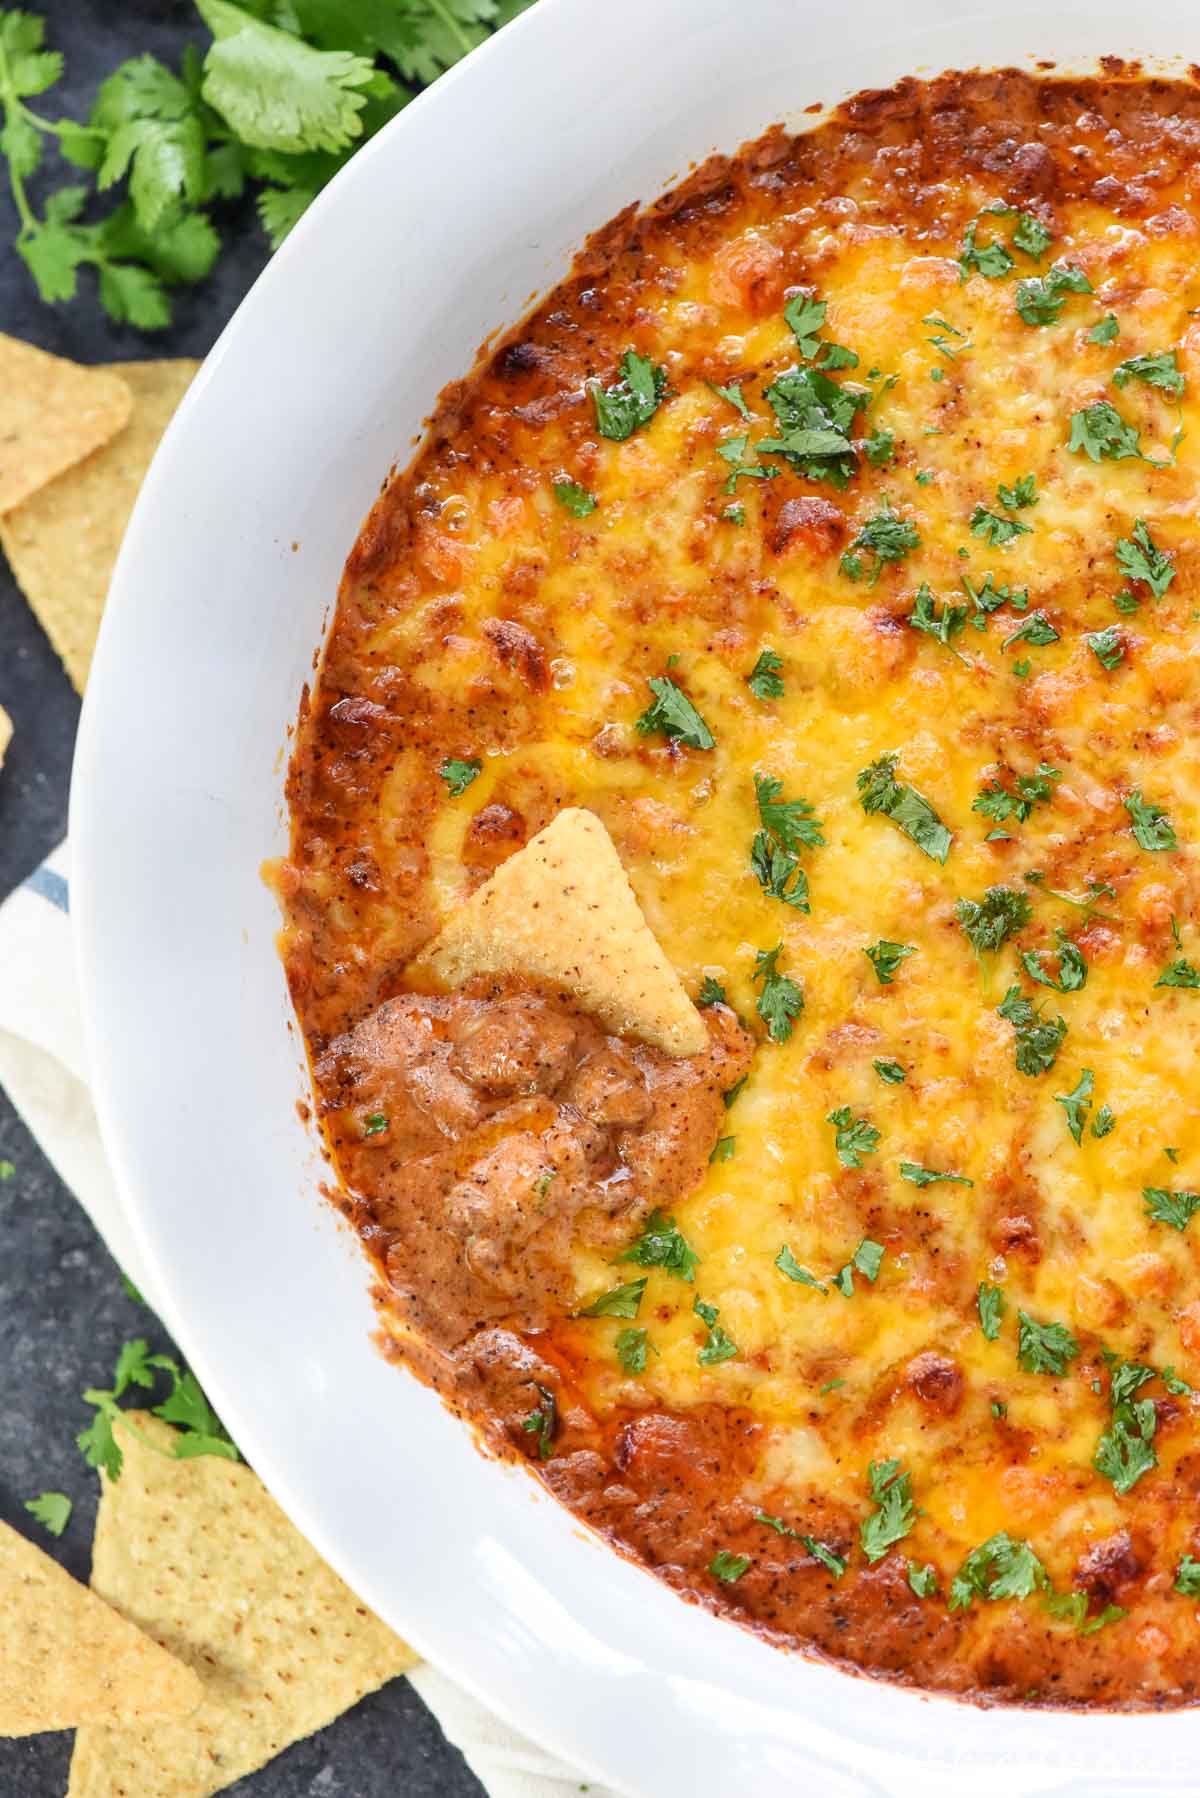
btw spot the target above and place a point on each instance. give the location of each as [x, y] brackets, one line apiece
[1023, 492]
[735, 451]
[787, 1264]
[781, 1000]
[923, 1581]
[853, 1137]
[728, 1567]
[894, 1515]
[1037, 1040]
[542, 1424]
[672, 713]
[718, 1345]
[1107, 645]
[711, 993]
[52, 1510]
[632, 1348]
[1139, 559]
[943, 626]
[1036, 629]
[991, 1305]
[1072, 968]
[790, 820]
[1160, 370]
[805, 315]
[733, 394]
[992, 260]
[1041, 298]
[815, 416]
[880, 447]
[1152, 829]
[889, 1071]
[1044, 1348]
[1180, 972]
[723, 1149]
[574, 499]
[925, 1176]
[1078, 1103]
[1106, 331]
[621, 1301]
[1167, 1207]
[1187, 1577]
[1002, 1567]
[880, 791]
[459, 775]
[375, 1123]
[632, 401]
[886, 957]
[1126, 1449]
[886, 536]
[988, 923]
[661, 1244]
[996, 530]
[998, 802]
[1103, 435]
[202, 1432]
[764, 679]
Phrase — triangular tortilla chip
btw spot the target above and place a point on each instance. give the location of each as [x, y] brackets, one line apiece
[63, 541]
[52, 414]
[200, 1556]
[562, 908]
[67, 1658]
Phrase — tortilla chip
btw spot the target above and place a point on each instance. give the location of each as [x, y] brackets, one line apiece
[562, 908]
[67, 1658]
[5, 733]
[63, 542]
[200, 1556]
[52, 414]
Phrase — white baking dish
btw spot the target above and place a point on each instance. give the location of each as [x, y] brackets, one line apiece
[440, 232]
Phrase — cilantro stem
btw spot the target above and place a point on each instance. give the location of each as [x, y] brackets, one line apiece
[451, 23]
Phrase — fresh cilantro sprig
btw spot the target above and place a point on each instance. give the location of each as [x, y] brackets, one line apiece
[910, 811]
[201, 1430]
[894, 1514]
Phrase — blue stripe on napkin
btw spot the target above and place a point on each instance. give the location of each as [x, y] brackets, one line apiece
[49, 885]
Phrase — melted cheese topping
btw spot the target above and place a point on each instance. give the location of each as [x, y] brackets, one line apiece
[659, 580]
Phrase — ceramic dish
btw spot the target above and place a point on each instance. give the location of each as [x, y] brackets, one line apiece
[439, 232]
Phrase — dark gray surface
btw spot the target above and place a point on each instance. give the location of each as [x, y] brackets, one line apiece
[63, 1313]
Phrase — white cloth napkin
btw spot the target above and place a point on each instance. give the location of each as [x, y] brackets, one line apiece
[43, 1070]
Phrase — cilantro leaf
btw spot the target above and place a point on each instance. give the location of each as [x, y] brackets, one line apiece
[52, 1510]
[886, 957]
[632, 401]
[1078, 1103]
[1002, 1567]
[1140, 560]
[1187, 1577]
[1036, 629]
[880, 791]
[886, 536]
[1174, 1208]
[941, 627]
[805, 315]
[1037, 1040]
[1041, 298]
[661, 1244]
[632, 1347]
[1160, 370]
[542, 1423]
[1044, 1348]
[728, 1567]
[1107, 646]
[880, 447]
[1072, 968]
[711, 993]
[275, 91]
[890, 1072]
[458, 775]
[814, 416]
[787, 1264]
[923, 1581]
[1125, 1451]
[781, 1000]
[1023, 492]
[778, 874]
[621, 1301]
[718, 1345]
[1106, 331]
[1103, 435]
[894, 1515]
[992, 260]
[734, 450]
[988, 923]
[996, 530]
[764, 679]
[853, 1137]
[1031, 236]
[789, 820]
[1180, 972]
[991, 1305]
[996, 801]
[672, 713]
[574, 499]
[1151, 827]
[917, 1175]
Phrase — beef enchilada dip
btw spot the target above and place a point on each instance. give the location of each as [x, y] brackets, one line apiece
[743, 905]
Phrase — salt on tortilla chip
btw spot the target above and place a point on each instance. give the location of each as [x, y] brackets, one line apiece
[63, 541]
[562, 908]
[52, 414]
[67, 1658]
[198, 1554]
